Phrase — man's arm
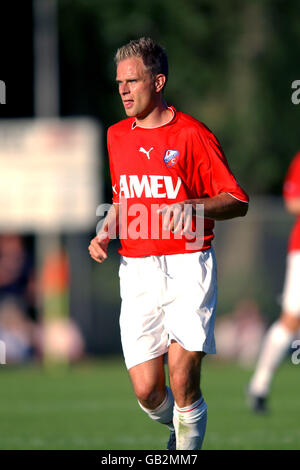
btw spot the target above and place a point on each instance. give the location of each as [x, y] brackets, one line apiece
[220, 207]
[110, 227]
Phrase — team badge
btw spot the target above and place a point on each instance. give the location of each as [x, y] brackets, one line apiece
[171, 157]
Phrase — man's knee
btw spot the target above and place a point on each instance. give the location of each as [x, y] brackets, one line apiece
[184, 370]
[181, 379]
[150, 395]
[185, 385]
[148, 380]
[290, 321]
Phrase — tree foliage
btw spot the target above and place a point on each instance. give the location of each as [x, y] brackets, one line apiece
[231, 66]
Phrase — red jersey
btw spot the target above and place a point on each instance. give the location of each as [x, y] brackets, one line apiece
[291, 190]
[163, 165]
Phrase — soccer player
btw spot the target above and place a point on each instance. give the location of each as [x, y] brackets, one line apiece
[163, 163]
[280, 335]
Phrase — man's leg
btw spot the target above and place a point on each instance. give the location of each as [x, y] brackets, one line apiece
[277, 341]
[279, 336]
[148, 380]
[190, 410]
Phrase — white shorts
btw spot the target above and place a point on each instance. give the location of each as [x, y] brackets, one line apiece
[291, 291]
[165, 298]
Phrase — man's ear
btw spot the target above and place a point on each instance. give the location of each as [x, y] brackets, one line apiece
[159, 83]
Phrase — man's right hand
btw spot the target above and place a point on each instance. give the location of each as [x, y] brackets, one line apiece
[98, 247]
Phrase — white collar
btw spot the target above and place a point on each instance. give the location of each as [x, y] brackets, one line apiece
[134, 124]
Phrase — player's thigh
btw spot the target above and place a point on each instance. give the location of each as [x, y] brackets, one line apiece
[184, 373]
[143, 333]
[148, 380]
[191, 307]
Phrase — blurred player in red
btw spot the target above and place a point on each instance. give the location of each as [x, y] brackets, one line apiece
[280, 335]
[161, 159]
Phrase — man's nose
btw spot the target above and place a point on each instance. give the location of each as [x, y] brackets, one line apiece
[123, 88]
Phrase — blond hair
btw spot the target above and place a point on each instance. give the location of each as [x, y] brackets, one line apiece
[152, 54]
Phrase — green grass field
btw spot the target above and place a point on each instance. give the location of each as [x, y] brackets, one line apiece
[91, 406]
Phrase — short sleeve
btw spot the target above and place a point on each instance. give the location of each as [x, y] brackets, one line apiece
[213, 168]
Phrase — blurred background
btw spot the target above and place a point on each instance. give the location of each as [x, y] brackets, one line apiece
[232, 65]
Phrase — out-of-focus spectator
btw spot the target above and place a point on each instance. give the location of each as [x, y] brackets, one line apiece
[239, 334]
[16, 272]
[59, 339]
[17, 299]
[16, 331]
[54, 335]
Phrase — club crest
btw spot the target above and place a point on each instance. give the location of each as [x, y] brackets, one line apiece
[171, 157]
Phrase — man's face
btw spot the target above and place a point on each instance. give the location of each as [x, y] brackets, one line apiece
[136, 87]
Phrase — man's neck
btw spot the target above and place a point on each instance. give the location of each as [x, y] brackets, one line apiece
[159, 116]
